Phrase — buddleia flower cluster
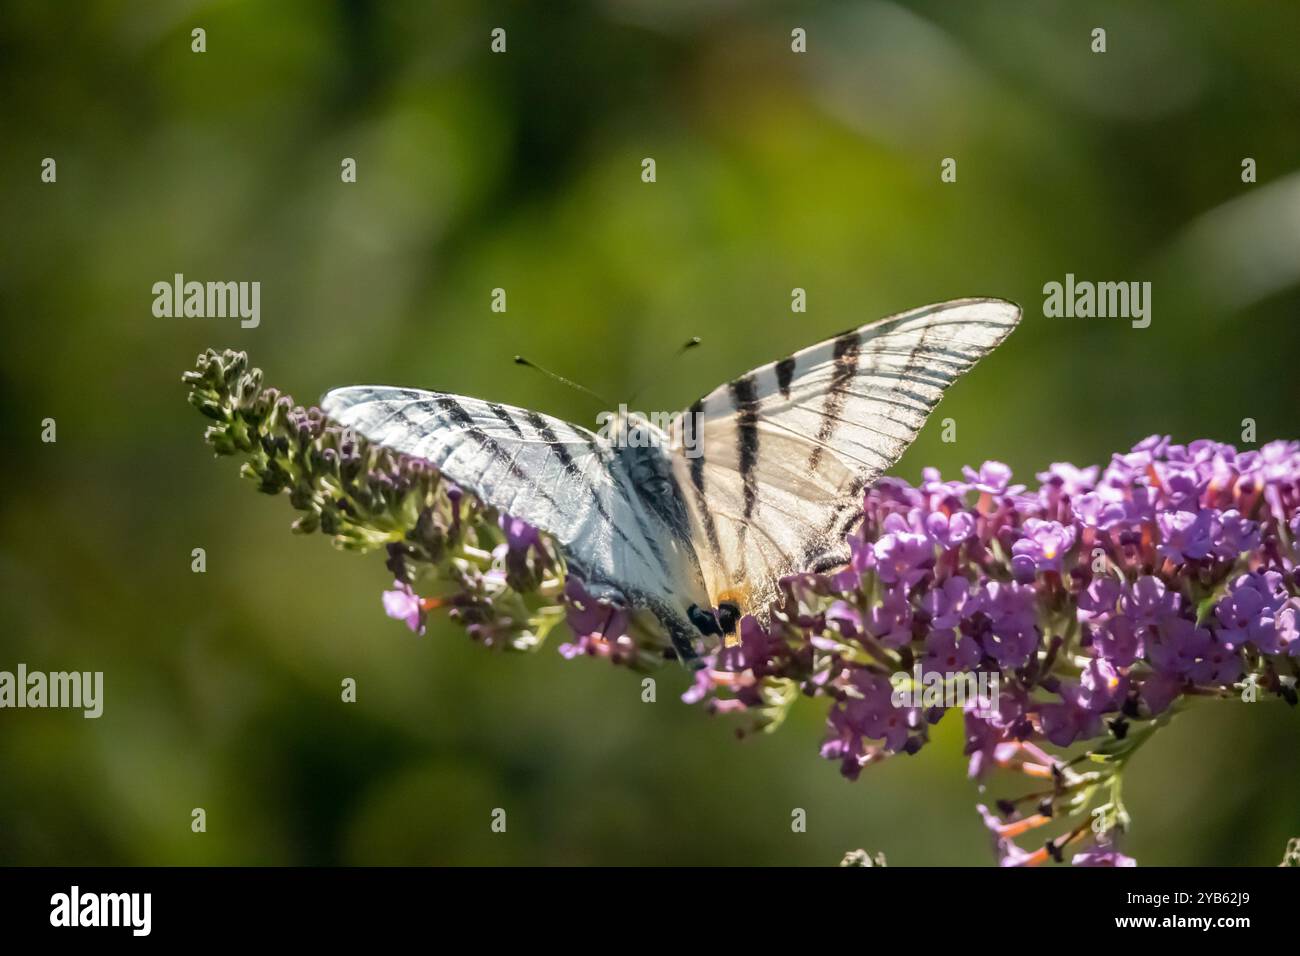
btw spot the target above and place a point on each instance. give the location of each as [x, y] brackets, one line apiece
[1061, 625]
[1096, 603]
[448, 552]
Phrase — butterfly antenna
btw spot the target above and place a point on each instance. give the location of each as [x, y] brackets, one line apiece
[686, 346]
[520, 360]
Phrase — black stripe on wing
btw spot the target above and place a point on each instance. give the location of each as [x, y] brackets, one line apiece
[505, 416]
[744, 396]
[458, 416]
[553, 442]
[785, 375]
[449, 410]
[694, 417]
[845, 358]
[547, 434]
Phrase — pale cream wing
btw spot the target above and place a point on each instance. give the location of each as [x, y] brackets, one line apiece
[773, 465]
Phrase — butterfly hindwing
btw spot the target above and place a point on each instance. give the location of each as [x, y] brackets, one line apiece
[774, 464]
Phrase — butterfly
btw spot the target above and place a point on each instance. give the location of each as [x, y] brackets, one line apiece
[698, 522]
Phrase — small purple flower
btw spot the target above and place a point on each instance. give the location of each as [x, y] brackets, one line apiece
[903, 557]
[1183, 487]
[1285, 627]
[1010, 608]
[403, 604]
[1188, 535]
[1277, 461]
[1043, 547]
[1242, 607]
[983, 738]
[870, 712]
[993, 478]
[520, 535]
[851, 752]
[949, 530]
[1238, 535]
[1102, 854]
[890, 621]
[1149, 601]
[982, 741]
[945, 602]
[1078, 715]
[599, 625]
[1119, 641]
[1099, 602]
[948, 653]
[1071, 480]
[523, 552]
[844, 618]
[1258, 609]
[1102, 687]
[1067, 721]
[862, 555]
[1101, 509]
[1185, 650]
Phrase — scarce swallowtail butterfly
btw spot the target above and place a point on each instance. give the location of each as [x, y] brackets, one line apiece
[761, 478]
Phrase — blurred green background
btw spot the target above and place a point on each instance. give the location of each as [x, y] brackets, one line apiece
[522, 171]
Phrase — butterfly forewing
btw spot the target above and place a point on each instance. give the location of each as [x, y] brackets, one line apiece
[774, 464]
[558, 477]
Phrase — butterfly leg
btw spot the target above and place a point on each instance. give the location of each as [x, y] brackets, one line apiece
[679, 632]
[704, 621]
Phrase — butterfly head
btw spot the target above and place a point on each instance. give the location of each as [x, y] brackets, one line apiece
[720, 622]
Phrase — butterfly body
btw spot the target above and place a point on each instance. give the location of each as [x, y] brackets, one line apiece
[761, 478]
